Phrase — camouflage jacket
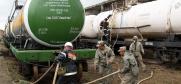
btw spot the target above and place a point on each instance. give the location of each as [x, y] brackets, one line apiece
[103, 56]
[129, 64]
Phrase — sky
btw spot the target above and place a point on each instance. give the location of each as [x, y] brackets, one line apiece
[6, 6]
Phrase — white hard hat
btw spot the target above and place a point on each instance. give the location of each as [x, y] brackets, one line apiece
[68, 44]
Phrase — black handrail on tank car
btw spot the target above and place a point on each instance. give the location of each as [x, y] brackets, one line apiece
[132, 27]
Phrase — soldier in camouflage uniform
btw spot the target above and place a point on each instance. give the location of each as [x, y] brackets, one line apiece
[104, 57]
[137, 49]
[130, 68]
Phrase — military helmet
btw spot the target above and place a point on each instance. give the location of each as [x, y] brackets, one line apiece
[100, 43]
[123, 48]
[135, 38]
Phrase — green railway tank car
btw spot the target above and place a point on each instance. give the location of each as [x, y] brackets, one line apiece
[49, 22]
[38, 28]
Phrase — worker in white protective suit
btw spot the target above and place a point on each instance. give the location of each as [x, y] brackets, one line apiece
[136, 48]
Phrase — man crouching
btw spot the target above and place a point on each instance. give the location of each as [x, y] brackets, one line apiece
[130, 70]
[104, 58]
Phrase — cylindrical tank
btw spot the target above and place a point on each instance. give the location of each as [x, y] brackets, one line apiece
[49, 22]
[175, 18]
[100, 17]
[163, 16]
[87, 30]
[17, 27]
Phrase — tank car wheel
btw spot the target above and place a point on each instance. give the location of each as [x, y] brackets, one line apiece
[35, 72]
[25, 70]
[79, 74]
[164, 57]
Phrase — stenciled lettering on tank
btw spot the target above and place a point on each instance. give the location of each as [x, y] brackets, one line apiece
[57, 42]
[74, 30]
[57, 3]
[42, 31]
[58, 7]
[58, 17]
[177, 5]
[59, 11]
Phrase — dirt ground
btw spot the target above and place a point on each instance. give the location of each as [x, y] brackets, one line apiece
[4, 74]
[9, 71]
[161, 74]
[8, 66]
[4, 77]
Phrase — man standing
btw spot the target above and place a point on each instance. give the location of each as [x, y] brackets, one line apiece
[67, 59]
[130, 68]
[104, 57]
[105, 29]
[137, 49]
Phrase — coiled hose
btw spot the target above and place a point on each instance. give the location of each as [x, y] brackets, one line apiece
[146, 78]
[44, 74]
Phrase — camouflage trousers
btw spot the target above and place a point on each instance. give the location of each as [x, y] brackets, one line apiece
[139, 60]
[105, 70]
[129, 78]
